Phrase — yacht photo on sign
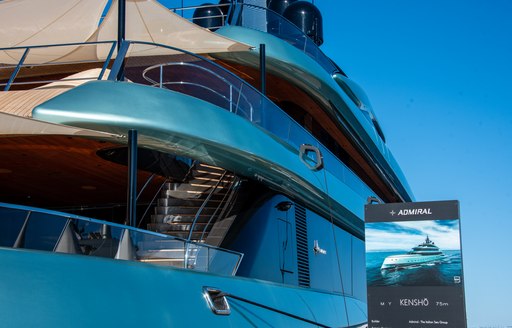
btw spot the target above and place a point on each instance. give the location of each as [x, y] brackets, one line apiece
[413, 253]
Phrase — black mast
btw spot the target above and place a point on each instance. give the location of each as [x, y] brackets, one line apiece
[121, 33]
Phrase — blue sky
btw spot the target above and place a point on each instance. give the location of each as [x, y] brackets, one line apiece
[404, 235]
[439, 75]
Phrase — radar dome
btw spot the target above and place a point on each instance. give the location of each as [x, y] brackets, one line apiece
[307, 17]
[208, 16]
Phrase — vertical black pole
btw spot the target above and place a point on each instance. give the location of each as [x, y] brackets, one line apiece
[132, 178]
[121, 32]
[121, 22]
[263, 70]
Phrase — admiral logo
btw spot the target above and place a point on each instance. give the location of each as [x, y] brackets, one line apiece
[413, 211]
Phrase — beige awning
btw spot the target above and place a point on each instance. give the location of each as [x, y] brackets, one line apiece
[15, 125]
[36, 22]
[148, 20]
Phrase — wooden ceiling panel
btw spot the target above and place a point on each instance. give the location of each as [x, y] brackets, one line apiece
[62, 171]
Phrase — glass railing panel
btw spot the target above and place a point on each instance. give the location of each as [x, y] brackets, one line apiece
[47, 231]
[178, 71]
[314, 52]
[43, 231]
[11, 223]
[97, 239]
[223, 263]
[198, 257]
[281, 125]
[158, 249]
[195, 76]
[299, 136]
[280, 27]
[248, 104]
[332, 165]
[276, 121]
[208, 259]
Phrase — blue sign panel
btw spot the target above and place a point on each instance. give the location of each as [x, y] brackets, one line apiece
[414, 265]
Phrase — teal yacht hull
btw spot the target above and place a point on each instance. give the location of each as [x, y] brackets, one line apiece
[42, 289]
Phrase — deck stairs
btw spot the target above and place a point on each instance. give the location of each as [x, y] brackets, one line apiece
[198, 209]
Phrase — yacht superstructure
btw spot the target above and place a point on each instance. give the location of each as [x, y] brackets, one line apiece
[208, 167]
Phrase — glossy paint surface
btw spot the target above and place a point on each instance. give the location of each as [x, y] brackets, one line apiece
[75, 291]
[195, 128]
[285, 60]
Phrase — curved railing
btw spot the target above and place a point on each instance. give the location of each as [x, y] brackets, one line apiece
[184, 72]
[38, 229]
[280, 27]
[265, 20]
[233, 89]
[227, 91]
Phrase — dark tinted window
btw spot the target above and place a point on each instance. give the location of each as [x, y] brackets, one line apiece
[97, 239]
[11, 221]
[43, 231]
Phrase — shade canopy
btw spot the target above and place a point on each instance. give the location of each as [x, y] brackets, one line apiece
[36, 22]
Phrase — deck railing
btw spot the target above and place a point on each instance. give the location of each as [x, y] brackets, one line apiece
[234, 100]
[170, 68]
[264, 20]
[194, 75]
[271, 22]
[29, 58]
[38, 229]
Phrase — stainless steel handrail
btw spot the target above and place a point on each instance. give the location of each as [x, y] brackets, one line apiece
[234, 17]
[49, 81]
[340, 170]
[264, 102]
[184, 9]
[306, 43]
[152, 201]
[203, 205]
[209, 71]
[21, 63]
[229, 195]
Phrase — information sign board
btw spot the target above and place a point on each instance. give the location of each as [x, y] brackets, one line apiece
[414, 265]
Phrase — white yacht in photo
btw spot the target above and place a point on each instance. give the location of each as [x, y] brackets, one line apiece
[423, 253]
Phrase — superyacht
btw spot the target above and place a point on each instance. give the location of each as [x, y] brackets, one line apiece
[424, 253]
[198, 165]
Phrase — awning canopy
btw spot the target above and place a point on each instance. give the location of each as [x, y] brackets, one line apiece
[36, 22]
